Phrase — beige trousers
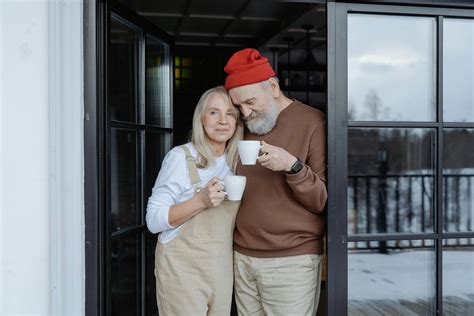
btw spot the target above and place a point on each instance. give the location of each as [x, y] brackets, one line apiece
[277, 286]
[194, 270]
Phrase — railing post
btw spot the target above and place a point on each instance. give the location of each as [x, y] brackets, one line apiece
[382, 197]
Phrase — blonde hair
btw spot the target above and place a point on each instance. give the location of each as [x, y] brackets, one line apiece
[200, 139]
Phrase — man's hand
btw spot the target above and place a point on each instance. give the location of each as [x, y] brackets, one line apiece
[276, 158]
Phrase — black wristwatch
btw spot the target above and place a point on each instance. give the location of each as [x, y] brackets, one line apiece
[297, 166]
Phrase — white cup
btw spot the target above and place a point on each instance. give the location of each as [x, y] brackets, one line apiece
[234, 186]
[248, 151]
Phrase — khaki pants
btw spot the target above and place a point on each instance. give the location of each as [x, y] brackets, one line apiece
[277, 286]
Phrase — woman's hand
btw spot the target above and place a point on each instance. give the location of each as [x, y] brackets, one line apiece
[212, 194]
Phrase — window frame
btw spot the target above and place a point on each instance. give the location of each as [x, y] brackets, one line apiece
[338, 126]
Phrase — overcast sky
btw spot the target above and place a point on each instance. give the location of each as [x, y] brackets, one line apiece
[392, 67]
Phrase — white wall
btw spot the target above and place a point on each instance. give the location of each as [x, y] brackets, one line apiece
[1, 160]
[41, 154]
[24, 145]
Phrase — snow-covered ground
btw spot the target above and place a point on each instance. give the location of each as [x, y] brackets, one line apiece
[409, 275]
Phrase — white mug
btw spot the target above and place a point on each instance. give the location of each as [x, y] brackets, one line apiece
[248, 151]
[234, 186]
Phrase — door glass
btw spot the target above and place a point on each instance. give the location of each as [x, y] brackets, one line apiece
[391, 180]
[157, 145]
[123, 182]
[158, 83]
[458, 70]
[123, 71]
[392, 278]
[139, 92]
[150, 281]
[391, 68]
[125, 275]
[458, 180]
[458, 276]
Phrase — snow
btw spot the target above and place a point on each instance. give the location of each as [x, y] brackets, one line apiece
[409, 275]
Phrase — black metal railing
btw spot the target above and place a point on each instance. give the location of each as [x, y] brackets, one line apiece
[405, 203]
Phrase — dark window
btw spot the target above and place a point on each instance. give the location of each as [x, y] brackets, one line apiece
[139, 129]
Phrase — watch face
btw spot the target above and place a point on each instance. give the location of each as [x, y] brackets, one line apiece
[297, 166]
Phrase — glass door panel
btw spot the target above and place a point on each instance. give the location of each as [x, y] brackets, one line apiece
[391, 68]
[158, 83]
[123, 68]
[402, 282]
[157, 144]
[391, 180]
[458, 276]
[124, 189]
[458, 55]
[392, 168]
[126, 276]
[458, 180]
[139, 133]
[400, 126]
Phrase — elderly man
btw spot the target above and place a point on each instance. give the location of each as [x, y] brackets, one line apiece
[278, 239]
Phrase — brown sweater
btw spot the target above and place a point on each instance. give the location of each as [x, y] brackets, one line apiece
[281, 214]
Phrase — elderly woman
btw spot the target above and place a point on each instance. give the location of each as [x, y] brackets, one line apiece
[193, 257]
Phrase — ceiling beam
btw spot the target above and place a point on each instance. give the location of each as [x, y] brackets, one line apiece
[303, 38]
[187, 12]
[205, 16]
[304, 1]
[181, 15]
[238, 35]
[207, 44]
[161, 14]
[238, 15]
[286, 24]
[211, 16]
[259, 18]
[199, 34]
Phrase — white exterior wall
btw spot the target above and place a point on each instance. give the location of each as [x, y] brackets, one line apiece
[41, 158]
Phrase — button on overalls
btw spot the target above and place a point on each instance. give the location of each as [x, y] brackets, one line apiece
[194, 271]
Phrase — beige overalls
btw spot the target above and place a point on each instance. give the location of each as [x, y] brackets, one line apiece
[194, 271]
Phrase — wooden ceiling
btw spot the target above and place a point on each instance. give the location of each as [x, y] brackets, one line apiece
[263, 24]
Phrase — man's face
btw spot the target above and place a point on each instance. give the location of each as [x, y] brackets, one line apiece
[257, 105]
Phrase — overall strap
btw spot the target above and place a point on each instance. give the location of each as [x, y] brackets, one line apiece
[192, 169]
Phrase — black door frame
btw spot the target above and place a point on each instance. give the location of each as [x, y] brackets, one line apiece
[97, 20]
[337, 297]
[94, 103]
[125, 16]
[95, 72]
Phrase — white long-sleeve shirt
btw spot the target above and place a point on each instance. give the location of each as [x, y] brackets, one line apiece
[173, 186]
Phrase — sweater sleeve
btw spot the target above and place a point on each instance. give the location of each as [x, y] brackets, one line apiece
[168, 188]
[309, 185]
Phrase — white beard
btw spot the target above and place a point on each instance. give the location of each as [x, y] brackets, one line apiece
[263, 122]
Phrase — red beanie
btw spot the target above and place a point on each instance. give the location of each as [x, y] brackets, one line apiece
[245, 67]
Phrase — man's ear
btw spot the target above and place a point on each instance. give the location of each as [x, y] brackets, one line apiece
[275, 86]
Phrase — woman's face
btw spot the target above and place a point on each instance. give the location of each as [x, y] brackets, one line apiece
[219, 119]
